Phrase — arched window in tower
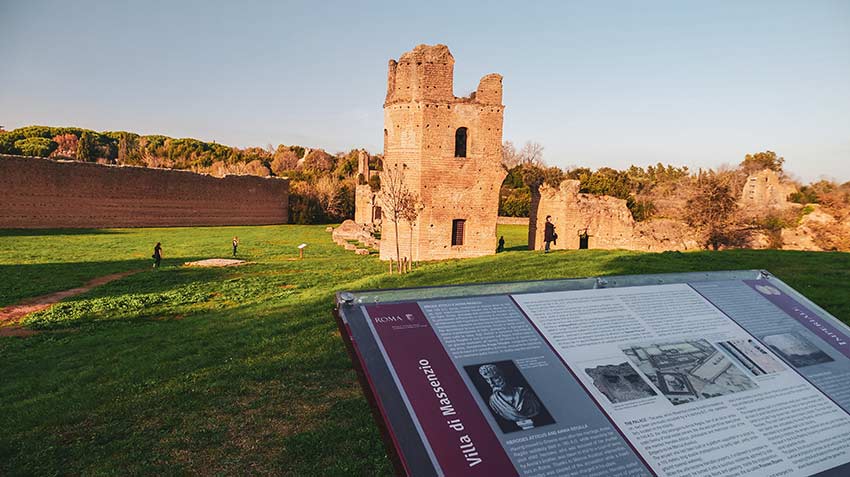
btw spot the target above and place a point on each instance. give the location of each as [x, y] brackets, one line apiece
[385, 140]
[460, 142]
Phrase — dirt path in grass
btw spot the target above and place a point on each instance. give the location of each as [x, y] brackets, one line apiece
[13, 313]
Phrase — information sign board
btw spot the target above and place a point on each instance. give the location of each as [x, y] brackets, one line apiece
[720, 373]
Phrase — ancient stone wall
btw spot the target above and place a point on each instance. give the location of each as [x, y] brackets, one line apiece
[605, 220]
[512, 220]
[43, 193]
[366, 211]
[765, 189]
[421, 122]
[365, 203]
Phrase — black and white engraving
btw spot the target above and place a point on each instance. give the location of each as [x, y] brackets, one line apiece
[686, 371]
[510, 399]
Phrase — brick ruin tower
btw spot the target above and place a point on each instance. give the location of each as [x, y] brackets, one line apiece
[450, 152]
[367, 210]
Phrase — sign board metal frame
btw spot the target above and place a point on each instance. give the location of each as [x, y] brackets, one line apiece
[403, 432]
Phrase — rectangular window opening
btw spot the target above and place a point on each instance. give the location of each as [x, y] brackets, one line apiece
[460, 142]
[457, 231]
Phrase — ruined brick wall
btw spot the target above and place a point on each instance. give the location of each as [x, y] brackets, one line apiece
[364, 202]
[607, 221]
[43, 193]
[765, 189]
[512, 220]
[363, 164]
[364, 197]
[421, 118]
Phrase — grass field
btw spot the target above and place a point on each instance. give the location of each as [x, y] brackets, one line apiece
[241, 371]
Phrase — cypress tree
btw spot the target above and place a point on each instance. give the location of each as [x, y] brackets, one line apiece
[85, 147]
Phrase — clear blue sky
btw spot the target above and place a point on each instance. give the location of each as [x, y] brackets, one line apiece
[596, 83]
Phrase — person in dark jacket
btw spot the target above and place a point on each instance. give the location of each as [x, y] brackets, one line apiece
[157, 255]
[501, 246]
[548, 233]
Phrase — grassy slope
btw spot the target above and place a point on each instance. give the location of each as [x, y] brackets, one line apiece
[241, 370]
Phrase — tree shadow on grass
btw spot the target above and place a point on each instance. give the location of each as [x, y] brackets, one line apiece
[824, 277]
[277, 379]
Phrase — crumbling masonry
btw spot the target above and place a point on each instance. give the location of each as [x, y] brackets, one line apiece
[765, 190]
[449, 150]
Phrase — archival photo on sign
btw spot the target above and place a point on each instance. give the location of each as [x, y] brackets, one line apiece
[797, 350]
[729, 399]
[510, 399]
[687, 371]
[619, 382]
[752, 356]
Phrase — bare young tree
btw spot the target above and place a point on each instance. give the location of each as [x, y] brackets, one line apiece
[394, 200]
[331, 194]
[532, 154]
[411, 209]
[510, 156]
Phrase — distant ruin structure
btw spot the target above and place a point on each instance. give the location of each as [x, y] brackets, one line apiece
[581, 220]
[585, 221]
[367, 210]
[765, 189]
[448, 149]
[44, 193]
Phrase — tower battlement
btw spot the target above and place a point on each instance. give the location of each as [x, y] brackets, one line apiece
[424, 74]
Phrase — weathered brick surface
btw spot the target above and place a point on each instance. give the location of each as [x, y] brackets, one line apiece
[512, 220]
[364, 201]
[606, 220]
[421, 116]
[43, 193]
[764, 190]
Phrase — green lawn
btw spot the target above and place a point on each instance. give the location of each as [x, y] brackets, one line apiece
[241, 370]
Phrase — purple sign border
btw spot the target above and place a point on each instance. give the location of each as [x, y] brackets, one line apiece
[430, 379]
[814, 322]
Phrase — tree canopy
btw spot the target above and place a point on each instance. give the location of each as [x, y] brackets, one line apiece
[762, 160]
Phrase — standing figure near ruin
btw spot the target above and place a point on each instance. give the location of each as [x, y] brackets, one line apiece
[157, 255]
[235, 244]
[549, 234]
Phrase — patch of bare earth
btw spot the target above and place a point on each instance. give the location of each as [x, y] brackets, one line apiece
[16, 331]
[14, 313]
[216, 262]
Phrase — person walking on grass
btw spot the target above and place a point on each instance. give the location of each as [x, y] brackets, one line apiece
[549, 235]
[157, 255]
[235, 244]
